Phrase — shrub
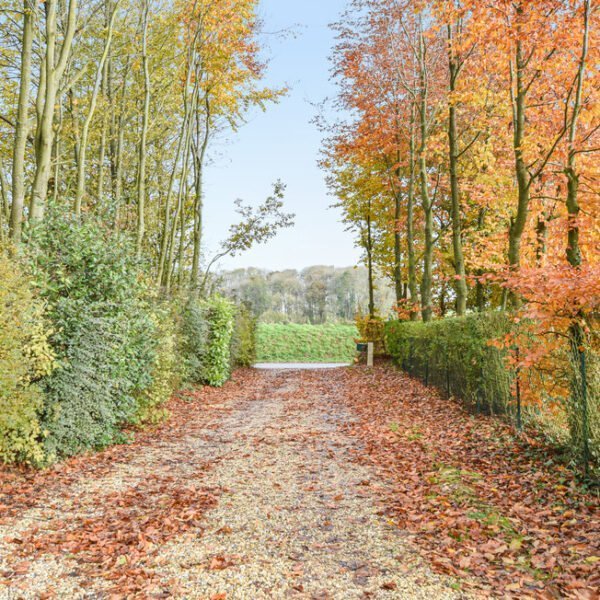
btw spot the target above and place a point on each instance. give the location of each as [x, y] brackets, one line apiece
[371, 329]
[220, 314]
[206, 339]
[243, 342]
[193, 339]
[25, 356]
[164, 372]
[455, 356]
[105, 338]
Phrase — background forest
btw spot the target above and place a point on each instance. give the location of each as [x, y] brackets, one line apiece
[314, 295]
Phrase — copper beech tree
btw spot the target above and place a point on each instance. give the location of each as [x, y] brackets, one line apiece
[480, 121]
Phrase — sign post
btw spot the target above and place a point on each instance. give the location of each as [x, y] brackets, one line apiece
[370, 353]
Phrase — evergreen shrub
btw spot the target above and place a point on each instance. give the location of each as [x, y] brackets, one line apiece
[105, 338]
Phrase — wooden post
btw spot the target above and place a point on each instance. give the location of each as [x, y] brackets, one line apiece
[370, 354]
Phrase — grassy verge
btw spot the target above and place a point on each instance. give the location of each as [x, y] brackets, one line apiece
[305, 343]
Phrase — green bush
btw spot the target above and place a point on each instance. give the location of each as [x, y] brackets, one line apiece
[455, 356]
[105, 338]
[206, 340]
[25, 356]
[193, 339]
[220, 314]
[164, 371]
[243, 342]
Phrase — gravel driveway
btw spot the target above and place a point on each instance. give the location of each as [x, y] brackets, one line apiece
[292, 517]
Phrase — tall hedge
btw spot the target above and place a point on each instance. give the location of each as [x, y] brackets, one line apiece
[217, 364]
[25, 357]
[455, 356]
[105, 337]
[243, 341]
[206, 340]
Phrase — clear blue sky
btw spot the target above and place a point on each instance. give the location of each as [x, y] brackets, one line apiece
[283, 144]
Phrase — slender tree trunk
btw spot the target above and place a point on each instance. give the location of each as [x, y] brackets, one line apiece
[22, 125]
[58, 150]
[573, 208]
[459, 260]
[370, 265]
[81, 165]
[51, 75]
[410, 223]
[519, 221]
[480, 289]
[141, 185]
[199, 157]
[427, 280]
[179, 207]
[181, 258]
[181, 142]
[103, 133]
[398, 282]
[4, 206]
[117, 145]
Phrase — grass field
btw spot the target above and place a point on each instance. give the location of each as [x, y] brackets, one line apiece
[278, 343]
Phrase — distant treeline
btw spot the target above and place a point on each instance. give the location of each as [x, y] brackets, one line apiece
[316, 294]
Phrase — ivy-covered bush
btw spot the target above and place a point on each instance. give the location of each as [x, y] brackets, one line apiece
[243, 341]
[105, 337]
[455, 356]
[25, 357]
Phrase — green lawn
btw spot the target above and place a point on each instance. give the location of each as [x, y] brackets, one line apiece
[278, 343]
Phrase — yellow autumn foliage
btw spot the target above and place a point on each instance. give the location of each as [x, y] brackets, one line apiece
[25, 356]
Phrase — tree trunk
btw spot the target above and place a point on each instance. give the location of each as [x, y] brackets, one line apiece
[573, 248]
[427, 280]
[81, 165]
[199, 157]
[459, 260]
[370, 265]
[410, 225]
[141, 184]
[22, 125]
[51, 75]
[519, 221]
[398, 283]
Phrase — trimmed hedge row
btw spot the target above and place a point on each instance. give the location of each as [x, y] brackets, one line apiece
[86, 347]
[207, 340]
[454, 356]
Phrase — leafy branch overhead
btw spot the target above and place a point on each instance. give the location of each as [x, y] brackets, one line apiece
[258, 225]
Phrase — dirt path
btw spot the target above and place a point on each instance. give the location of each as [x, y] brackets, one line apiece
[251, 492]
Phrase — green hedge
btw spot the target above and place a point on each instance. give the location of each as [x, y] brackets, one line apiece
[25, 357]
[206, 340]
[106, 336]
[86, 348]
[243, 341]
[280, 343]
[217, 362]
[454, 355]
